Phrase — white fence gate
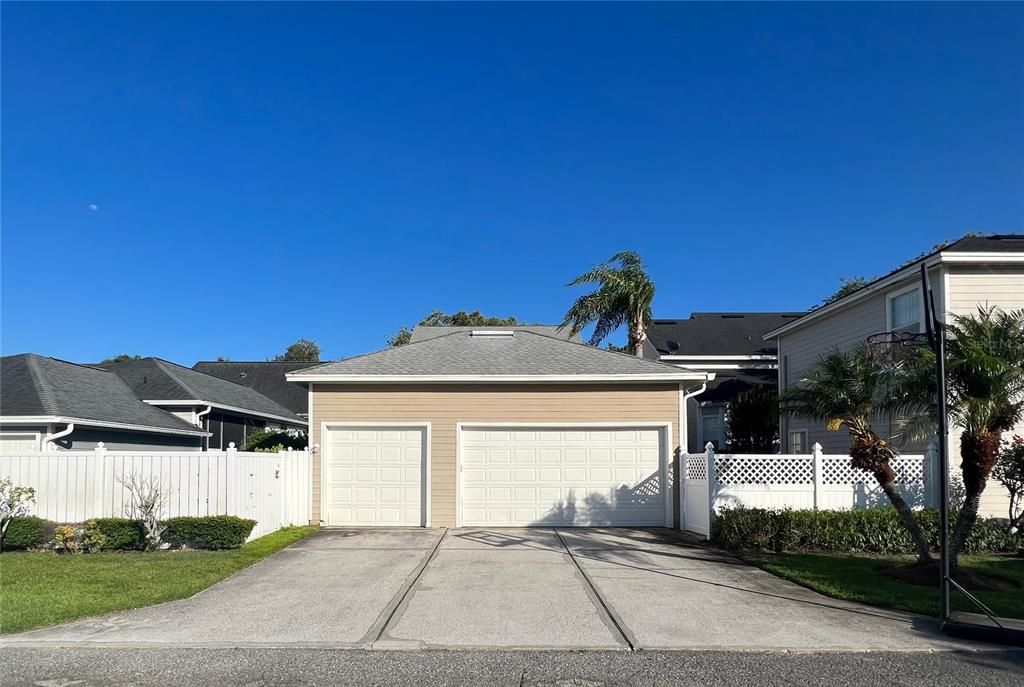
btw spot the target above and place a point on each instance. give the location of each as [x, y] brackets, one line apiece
[274, 489]
[816, 481]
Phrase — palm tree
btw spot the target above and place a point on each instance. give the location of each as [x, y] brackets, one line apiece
[844, 389]
[984, 398]
[624, 296]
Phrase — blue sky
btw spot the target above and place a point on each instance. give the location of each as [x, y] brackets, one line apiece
[266, 172]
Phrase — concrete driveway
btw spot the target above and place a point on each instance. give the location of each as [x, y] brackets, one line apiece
[504, 588]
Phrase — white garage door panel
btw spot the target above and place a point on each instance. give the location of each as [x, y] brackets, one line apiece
[374, 476]
[561, 476]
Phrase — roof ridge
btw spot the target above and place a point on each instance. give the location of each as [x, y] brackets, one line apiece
[160, 363]
[605, 350]
[41, 384]
[382, 350]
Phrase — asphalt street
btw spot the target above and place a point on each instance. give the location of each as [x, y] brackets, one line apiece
[85, 667]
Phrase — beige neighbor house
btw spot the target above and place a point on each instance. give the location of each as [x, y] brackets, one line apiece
[971, 272]
[495, 427]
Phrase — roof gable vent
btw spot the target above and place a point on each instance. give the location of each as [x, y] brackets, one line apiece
[492, 332]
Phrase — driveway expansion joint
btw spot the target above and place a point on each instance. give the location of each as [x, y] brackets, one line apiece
[376, 634]
[603, 607]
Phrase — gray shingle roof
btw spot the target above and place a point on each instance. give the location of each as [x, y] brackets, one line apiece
[717, 333]
[524, 354]
[35, 385]
[424, 332]
[265, 377]
[157, 379]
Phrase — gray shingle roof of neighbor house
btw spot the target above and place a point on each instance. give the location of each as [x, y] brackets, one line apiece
[154, 379]
[495, 356]
[716, 333]
[37, 386]
[266, 377]
[424, 332]
[966, 249]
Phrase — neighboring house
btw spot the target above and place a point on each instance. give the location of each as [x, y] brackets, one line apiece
[266, 377]
[423, 332]
[729, 344]
[48, 404]
[974, 271]
[495, 427]
[228, 411]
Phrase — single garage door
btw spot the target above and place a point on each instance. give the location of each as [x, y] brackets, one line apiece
[374, 476]
[568, 476]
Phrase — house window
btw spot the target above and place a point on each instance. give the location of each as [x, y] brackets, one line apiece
[905, 311]
[712, 427]
[798, 441]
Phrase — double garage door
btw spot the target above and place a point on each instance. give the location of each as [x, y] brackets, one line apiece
[507, 476]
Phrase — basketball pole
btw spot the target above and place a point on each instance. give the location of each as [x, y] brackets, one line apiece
[937, 341]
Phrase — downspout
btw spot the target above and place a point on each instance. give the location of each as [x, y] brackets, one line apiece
[59, 435]
[199, 418]
[684, 438]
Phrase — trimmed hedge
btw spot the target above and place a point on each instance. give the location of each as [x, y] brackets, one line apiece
[212, 532]
[114, 534]
[28, 532]
[873, 530]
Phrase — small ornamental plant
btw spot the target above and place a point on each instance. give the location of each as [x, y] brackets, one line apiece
[1009, 471]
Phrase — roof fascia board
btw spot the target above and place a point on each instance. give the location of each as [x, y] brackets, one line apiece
[61, 419]
[221, 406]
[499, 379]
[885, 282]
[853, 298]
[718, 357]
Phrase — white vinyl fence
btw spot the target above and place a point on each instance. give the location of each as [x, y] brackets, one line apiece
[815, 481]
[274, 489]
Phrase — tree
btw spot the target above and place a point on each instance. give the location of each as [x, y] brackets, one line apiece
[984, 398]
[461, 318]
[303, 350]
[752, 420]
[14, 503]
[223, 359]
[617, 349]
[122, 358]
[623, 297]
[1009, 470]
[847, 389]
[846, 287]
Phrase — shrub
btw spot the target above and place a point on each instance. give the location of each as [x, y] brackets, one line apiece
[67, 539]
[113, 534]
[211, 532]
[273, 440]
[28, 532]
[874, 530]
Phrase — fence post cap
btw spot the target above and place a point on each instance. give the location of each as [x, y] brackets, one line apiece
[709, 446]
[231, 444]
[100, 444]
[816, 446]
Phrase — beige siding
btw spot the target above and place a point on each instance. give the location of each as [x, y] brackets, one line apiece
[445, 405]
[844, 329]
[969, 289]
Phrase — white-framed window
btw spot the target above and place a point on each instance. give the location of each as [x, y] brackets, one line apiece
[712, 427]
[903, 310]
[798, 441]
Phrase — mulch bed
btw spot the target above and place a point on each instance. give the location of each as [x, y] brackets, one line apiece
[927, 575]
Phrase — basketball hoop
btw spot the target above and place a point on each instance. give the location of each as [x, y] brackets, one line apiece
[895, 345]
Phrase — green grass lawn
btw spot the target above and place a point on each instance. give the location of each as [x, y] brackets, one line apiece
[858, 578]
[43, 588]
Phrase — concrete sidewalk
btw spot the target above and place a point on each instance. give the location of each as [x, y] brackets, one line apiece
[505, 588]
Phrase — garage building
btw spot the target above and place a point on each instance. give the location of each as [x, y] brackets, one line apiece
[492, 428]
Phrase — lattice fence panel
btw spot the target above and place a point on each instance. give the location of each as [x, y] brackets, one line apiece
[838, 471]
[767, 469]
[697, 466]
